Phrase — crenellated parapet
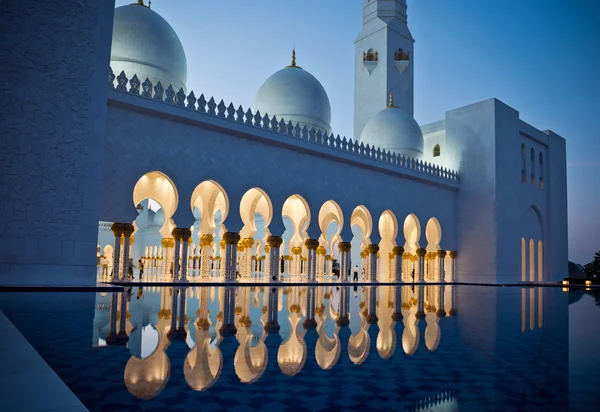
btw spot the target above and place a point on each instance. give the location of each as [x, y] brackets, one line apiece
[265, 122]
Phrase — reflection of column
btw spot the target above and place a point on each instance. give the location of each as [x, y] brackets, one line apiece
[311, 245]
[372, 306]
[328, 265]
[274, 266]
[373, 249]
[420, 302]
[421, 266]
[344, 305]
[228, 310]
[452, 274]
[185, 238]
[206, 242]
[441, 277]
[122, 337]
[397, 315]
[345, 248]
[127, 232]
[117, 229]
[398, 251]
[310, 322]
[177, 235]
[231, 241]
[272, 310]
[111, 338]
[173, 329]
[440, 303]
[181, 332]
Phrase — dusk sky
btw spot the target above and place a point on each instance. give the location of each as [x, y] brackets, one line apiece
[542, 57]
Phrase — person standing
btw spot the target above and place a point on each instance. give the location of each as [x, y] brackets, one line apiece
[355, 273]
[141, 267]
[104, 266]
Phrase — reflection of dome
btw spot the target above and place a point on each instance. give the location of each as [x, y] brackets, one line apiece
[395, 130]
[297, 96]
[143, 43]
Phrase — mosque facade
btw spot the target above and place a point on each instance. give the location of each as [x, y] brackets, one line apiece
[199, 188]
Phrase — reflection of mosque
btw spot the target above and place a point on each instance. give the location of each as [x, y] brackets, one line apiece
[251, 327]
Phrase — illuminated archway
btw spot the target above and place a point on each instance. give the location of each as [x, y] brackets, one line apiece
[388, 231]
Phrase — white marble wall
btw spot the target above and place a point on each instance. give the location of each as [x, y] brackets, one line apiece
[53, 105]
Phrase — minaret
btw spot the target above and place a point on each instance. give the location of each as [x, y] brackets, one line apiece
[383, 62]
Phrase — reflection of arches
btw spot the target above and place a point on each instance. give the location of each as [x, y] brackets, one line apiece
[410, 335]
[203, 364]
[157, 186]
[359, 345]
[327, 351]
[412, 233]
[433, 332]
[249, 362]
[255, 201]
[291, 355]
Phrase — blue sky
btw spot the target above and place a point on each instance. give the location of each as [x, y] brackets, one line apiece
[541, 57]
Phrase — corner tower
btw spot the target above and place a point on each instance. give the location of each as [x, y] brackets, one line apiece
[383, 61]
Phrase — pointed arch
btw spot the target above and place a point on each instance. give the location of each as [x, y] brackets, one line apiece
[207, 199]
[159, 187]
[412, 233]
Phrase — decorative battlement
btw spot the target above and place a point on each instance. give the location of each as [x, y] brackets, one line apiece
[280, 126]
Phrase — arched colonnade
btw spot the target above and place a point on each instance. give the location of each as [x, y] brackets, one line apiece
[274, 241]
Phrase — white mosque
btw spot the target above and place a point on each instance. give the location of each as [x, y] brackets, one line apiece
[202, 189]
[479, 196]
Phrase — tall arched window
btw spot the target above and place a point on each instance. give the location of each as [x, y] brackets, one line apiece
[541, 171]
[532, 152]
[436, 150]
[523, 164]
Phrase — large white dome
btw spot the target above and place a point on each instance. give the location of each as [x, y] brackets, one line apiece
[395, 130]
[297, 96]
[143, 43]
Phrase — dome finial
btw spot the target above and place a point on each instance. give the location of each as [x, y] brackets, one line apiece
[294, 57]
[391, 104]
[140, 3]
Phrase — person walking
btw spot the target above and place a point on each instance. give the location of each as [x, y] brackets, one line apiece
[355, 273]
[413, 275]
[141, 267]
[130, 268]
[104, 266]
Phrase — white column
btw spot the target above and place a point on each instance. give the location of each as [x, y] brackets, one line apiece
[311, 263]
[419, 276]
[231, 242]
[274, 265]
[441, 275]
[186, 235]
[452, 275]
[344, 248]
[117, 229]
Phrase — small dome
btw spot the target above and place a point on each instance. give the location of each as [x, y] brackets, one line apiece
[143, 43]
[297, 96]
[395, 130]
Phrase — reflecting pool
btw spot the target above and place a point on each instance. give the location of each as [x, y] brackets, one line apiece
[312, 347]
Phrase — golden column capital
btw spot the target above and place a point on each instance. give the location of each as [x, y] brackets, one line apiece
[117, 229]
[421, 252]
[328, 257]
[274, 241]
[398, 250]
[128, 229]
[321, 251]
[177, 233]
[441, 253]
[312, 244]
[297, 250]
[452, 254]
[186, 235]
[267, 248]
[373, 248]
[248, 242]
[344, 246]
[206, 240]
[167, 242]
[231, 238]
[363, 255]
